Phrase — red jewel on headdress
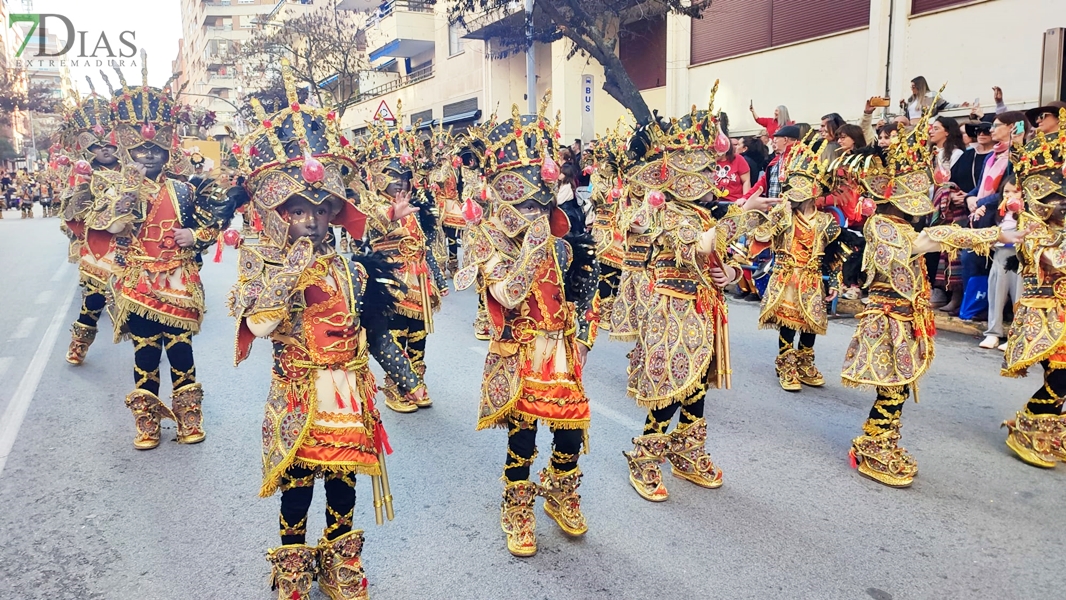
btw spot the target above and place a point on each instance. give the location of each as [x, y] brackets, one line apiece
[148, 131]
[456, 161]
[721, 143]
[664, 172]
[656, 198]
[232, 237]
[113, 139]
[484, 193]
[236, 149]
[98, 129]
[867, 207]
[312, 170]
[541, 125]
[699, 126]
[295, 106]
[558, 135]
[82, 167]
[549, 171]
[344, 142]
[63, 160]
[253, 151]
[518, 131]
[267, 123]
[331, 115]
[405, 158]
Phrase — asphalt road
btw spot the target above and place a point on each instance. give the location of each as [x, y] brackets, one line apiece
[85, 516]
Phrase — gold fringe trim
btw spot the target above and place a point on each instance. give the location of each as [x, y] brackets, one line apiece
[277, 314]
[125, 307]
[623, 337]
[676, 397]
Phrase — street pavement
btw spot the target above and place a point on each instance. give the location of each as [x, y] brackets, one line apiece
[85, 516]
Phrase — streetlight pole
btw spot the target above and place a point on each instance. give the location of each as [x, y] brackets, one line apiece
[531, 61]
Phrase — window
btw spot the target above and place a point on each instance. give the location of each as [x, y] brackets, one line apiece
[923, 6]
[642, 50]
[423, 117]
[732, 27]
[455, 39]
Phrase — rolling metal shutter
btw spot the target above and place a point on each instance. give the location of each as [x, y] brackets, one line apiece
[642, 50]
[923, 6]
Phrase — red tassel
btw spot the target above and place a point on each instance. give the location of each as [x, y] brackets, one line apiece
[381, 439]
[257, 223]
[218, 253]
[546, 371]
[663, 172]
[113, 139]
[578, 368]
[142, 286]
[340, 400]
[290, 403]
[852, 459]
[296, 595]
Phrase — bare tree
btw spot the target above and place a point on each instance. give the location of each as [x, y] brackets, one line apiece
[591, 26]
[324, 48]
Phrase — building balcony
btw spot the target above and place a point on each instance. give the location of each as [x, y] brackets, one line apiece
[221, 8]
[391, 85]
[401, 29]
[213, 32]
[220, 59]
[485, 25]
[358, 5]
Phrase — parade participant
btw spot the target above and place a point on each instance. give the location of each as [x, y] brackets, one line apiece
[407, 240]
[87, 136]
[1037, 434]
[161, 226]
[610, 159]
[443, 181]
[474, 193]
[802, 238]
[326, 315]
[893, 342]
[671, 371]
[537, 290]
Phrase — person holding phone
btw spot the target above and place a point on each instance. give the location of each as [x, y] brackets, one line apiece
[772, 124]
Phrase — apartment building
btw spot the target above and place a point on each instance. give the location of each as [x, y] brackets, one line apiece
[814, 56]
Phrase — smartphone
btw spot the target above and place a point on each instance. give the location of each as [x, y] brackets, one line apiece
[976, 102]
[878, 101]
[1019, 128]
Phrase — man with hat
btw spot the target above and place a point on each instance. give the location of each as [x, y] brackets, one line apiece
[1046, 118]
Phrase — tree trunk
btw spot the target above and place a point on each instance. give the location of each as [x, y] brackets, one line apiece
[619, 86]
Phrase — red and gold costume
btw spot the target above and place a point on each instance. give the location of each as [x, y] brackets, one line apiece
[682, 342]
[326, 315]
[1037, 434]
[893, 342]
[608, 191]
[408, 243]
[158, 296]
[534, 283]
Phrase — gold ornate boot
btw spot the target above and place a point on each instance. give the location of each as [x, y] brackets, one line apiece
[481, 326]
[880, 458]
[293, 571]
[787, 375]
[806, 371]
[395, 400]
[517, 518]
[425, 401]
[649, 450]
[147, 412]
[81, 337]
[340, 567]
[561, 500]
[1034, 438]
[688, 455]
[187, 402]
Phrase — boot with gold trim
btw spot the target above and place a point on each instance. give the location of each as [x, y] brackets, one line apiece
[561, 500]
[879, 457]
[649, 451]
[148, 411]
[517, 518]
[340, 567]
[481, 325]
[787, 374]
[395, 400]
[422, 401]
[806, 371]
[1036, 439]
[81, 337]
[188, 414]
[688, 456]
[293, 571]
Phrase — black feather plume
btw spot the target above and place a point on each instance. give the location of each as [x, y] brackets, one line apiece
[378, 302]
[583, 275]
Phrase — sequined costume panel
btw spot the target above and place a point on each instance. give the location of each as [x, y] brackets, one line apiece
[1038, 331]
[408, 247]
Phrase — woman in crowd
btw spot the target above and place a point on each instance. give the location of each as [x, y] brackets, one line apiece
[921, 98]
[946, 274]
[772, 124]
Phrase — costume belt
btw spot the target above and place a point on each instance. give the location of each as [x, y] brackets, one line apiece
[408, 248]
[356, 364]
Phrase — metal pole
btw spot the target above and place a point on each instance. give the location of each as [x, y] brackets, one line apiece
[32, 166]
[531, 61]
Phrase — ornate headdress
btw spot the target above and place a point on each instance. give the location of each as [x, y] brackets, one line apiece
[611, 162]
[1039, 167]
[391, 151]
[297, 151]
[89, 124]
[676, 156]
[805, 172]
[902, 177]
[149, 115]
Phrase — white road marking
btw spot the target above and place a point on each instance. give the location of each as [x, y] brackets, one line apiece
[607, 413]
[61, 272]
[15, 412]
[5, 364]
[24, 328]
[44, 297]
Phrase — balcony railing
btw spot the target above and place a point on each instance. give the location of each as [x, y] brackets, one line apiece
[410, 79]
[391, 6]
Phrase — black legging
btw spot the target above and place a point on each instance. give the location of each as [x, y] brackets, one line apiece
[150, 338]
[297, 489]
[522, 449]
[410, 334]
[1048, 399]
[691, 411]
[610, 276]
[92, 306]
[786, 337]
[453, 235]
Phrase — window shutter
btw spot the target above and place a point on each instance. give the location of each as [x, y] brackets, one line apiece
[642, 50]
[923, 6]
[797, 20]
[731, 27]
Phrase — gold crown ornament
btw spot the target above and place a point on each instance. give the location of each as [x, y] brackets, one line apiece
[677, 157]
[805, 173]
[1040, 167]
[391, 152]
[902, 177]
[90, 123]
[611, 161]
[296, 151]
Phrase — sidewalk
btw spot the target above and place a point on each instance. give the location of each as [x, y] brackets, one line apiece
[943, 322]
